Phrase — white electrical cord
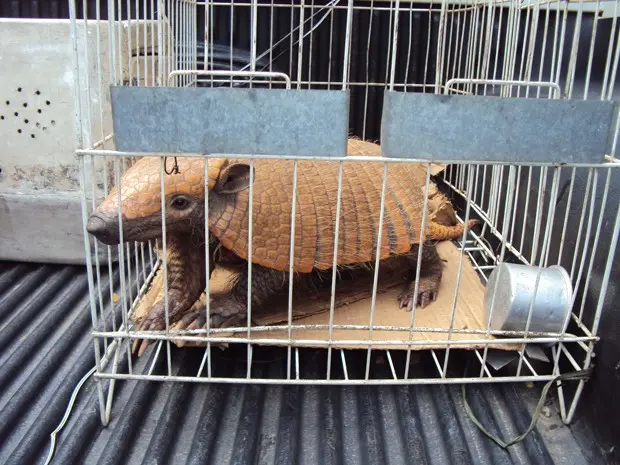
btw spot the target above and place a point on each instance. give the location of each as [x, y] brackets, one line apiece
[61, 425]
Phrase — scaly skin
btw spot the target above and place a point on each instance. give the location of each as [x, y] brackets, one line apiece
[228, 183]
[186, 281]
[431, 271]
[231, 309]
[315, 218]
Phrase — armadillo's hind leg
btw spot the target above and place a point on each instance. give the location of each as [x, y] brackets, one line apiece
[228, 310]
[431, 270]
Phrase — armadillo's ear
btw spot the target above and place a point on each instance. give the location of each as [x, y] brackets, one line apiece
[233, 178]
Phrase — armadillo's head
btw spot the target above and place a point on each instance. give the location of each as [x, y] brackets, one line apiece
[184, 194]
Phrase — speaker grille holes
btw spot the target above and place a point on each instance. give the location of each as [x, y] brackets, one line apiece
[27, 105]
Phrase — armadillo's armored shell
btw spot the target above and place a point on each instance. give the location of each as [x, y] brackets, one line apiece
[141, 185]
[317, 192]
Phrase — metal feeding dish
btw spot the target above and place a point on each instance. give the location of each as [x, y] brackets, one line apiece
[516, 287]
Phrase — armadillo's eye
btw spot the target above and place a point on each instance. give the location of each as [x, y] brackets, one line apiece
[180, 203]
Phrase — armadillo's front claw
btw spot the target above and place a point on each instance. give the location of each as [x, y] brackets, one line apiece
[155, 321]
[143, 347]
[223, 312]
[196, 319]
[142, 343]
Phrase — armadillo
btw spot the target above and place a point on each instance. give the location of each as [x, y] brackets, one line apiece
[315, 223]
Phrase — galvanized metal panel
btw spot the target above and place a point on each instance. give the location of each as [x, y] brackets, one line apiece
[224, 120]
[478, 128]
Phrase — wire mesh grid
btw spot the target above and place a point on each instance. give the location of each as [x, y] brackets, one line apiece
[535, 214]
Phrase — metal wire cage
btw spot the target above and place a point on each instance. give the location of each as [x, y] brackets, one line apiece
[538, 212]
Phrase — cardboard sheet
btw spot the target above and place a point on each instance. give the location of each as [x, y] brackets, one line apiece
[353, 307]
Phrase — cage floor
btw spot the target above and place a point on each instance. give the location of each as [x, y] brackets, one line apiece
[353, 315]
[47, 348]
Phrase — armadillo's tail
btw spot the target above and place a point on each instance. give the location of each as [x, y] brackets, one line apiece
[440, 232]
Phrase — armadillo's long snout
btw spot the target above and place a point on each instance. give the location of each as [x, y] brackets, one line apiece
[104, 228]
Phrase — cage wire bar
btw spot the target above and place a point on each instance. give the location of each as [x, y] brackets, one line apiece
[529, 212]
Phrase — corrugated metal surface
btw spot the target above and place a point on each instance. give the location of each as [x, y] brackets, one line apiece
[45, 348]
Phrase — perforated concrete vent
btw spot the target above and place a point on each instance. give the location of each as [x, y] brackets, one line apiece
[26, 113]
[39, 175]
